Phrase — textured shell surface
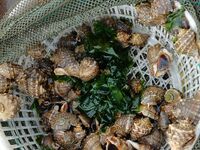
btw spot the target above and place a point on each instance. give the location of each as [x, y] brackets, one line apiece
[188, 109]
[37, 52]
[63, 121]
[139, 146]
[9, 106]
[138, 39]
[62, 88]
[10, 70]
[140, 127]
[155, 139]
[180, 135]
[152, 95]
[120, 144]
[123, 38]
[159, 60]
[163, 121]
[88, 69]
[173, 95]
[4, 84]
[92, 142]
[149, 111]
[186, 43]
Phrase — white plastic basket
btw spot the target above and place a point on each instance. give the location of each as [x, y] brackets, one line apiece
[20, 133]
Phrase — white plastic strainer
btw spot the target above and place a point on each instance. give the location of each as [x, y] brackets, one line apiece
[21, 132]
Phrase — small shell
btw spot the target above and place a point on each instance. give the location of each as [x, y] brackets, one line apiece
[88, 69]
[149, 111]
[159, 60]
[172, 96]
[80, 49]
[155, 139]
[180, 135]
[9, 70]
[123, 38]
[85, 120]
[48, 141]
[37, 52]
[66, 139]
[141, 127]
[63, 121]
[138, 39]
[120, 144]
[136, 86]
[163, 121]
[92, 142]
[4, 84]
[186, 43]
[139, 146]
[152, 95]
[9, 106]
[62, 88]
[79, 132]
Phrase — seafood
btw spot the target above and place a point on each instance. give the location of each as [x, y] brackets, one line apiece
[48, 141]
[159, 60]
[136, 86]
[123, 38]
[172, 95]
[163, 121]
[63, 121]
[88, 69]
[186, 43]
[4, 84]
[31, 82]
[140, 127]
[9, 106]
[149, 111]
[152, 95]
[62, 88]
[84, 120]
[180, 135]
[37, 52]
[73, 95]
[10, 70]
[138, 39]
[80, 49]
[120, 144]
[155, 139]
[92, 142]
[79, 132]
[139, 146]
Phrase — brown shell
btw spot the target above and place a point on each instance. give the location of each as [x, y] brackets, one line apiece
[149, 111]
[37, 52]
[88, 69]
[139, 146]
[63, 121]
[123, 38]
[152, 95]
[79, 132]
[10, 70]
[9, 106]
[141, 127]
[67, 139]
[186, 43]
[62, 88]
[155, 139]
[136, 85]
[180, 135]
[163, 121]
[120, 144]
[173, 95]
[138, 39]
[4, 84]
[92, 142]
[155, 56]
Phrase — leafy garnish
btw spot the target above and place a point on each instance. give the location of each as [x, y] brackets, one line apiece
[174, 19]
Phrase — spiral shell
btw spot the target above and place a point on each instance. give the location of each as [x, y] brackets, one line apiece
[9, 106]
[180, 135]
[10, 70]
[63, 121]
[152, 95]
[88, 69]
[92, 142]
[4, 84]
[149, 111]
[173, 95]
[140, 127]
[62, 88]
[159, 60]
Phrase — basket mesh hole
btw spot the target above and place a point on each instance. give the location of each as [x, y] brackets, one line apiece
[4, 124]
[8, 133]
[12, 142]
[23, 123]
[26, 131]
[30, 139]
[20, 114]
[35, 130]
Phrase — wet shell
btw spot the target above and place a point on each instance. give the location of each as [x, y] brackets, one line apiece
[63, 121]
[149, 111]
[155, 139]
[66, 139]
[173, 95]
[140, 127]
[120, 144]
[180, 135]
[159, 60]
[62, 88]
[92, 142]
[9, 70]
[9, 106]
[187, 109]
[4, 84]
[186, 43]
[138, 39]
[88, 69]
[152, 95]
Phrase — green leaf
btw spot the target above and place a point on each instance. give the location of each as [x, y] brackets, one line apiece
[111, 51]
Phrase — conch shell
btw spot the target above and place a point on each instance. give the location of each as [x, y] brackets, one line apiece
[159, 60]
[9, 106]
[186, 43]
[180, 135]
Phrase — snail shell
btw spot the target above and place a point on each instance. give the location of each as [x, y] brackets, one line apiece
[138, 39]
[92, 142]
[120, 144]
[163, 121]
[62, 88]
[37, 52]
[180, 135]
[4, 84]
[9, 106]
[152, 95]
[123, 38]
[173, 95]
[149, 111]
[140, 127]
